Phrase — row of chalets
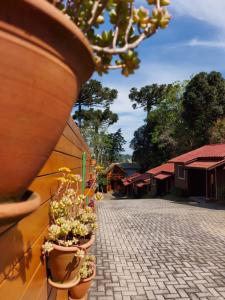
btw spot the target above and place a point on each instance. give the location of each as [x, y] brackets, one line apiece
[199, 173]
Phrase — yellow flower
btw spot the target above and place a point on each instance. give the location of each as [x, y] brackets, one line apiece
[62, 179]
[99, 168]
[64, 169]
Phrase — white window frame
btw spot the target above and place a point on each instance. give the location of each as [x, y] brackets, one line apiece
[178, 172]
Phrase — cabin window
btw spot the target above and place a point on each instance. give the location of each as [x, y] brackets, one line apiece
[153, 181]
[181, 172]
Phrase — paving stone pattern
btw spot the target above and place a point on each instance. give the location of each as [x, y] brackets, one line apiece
[159, 249]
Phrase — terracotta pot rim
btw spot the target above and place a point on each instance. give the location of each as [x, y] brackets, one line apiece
[75, 248]
[17, 209]
[72, 32]
[66, 285]
[89, 243]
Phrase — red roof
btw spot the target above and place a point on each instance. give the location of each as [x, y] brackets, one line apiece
[205, 164]
[208, 151]
[162, 176]
[136, 178]
[127, 180]
[168, 167]
[142, 177]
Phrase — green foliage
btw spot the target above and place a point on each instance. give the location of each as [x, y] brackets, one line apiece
[204, 104]
[155, 142]
[181, 117]
[217, 132]
[127, 26]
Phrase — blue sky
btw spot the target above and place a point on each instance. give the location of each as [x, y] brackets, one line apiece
[193, 42]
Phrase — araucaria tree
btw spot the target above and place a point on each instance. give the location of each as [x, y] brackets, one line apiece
[93, 95]
[127, 26]
[94, 117]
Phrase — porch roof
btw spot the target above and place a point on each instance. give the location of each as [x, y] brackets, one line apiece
[207, 151]
[168, 167]
[207, 165]
[162, 176]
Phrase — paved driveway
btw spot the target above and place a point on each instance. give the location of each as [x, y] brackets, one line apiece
[159, 249]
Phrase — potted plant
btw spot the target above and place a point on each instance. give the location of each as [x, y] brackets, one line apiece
[71, 229]
[87, 274]
[45, 58]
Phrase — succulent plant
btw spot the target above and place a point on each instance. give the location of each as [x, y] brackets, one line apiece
[87, 268]
[124, 28]
[70, 219]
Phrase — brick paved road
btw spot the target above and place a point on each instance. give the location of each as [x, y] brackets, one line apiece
[157, 249]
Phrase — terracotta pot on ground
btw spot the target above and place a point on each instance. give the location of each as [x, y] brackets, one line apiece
[44, 59]
[64, 266]
[80, 290]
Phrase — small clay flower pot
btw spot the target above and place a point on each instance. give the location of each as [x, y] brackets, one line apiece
[80, 290]
[63, 264]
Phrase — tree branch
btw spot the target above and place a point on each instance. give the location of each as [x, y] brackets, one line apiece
[129, 24]
[93, 12]
[126, 47]
[114, 67]
[96, 11]
[115, 37]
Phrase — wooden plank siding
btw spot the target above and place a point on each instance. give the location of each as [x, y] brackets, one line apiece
[22, 269]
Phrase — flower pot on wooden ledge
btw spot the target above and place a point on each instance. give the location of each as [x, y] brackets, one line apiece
[65, 285]
[79, 291]
[21, 207]
[63, 264]
[44, 59]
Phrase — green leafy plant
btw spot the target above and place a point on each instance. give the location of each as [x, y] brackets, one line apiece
[71, 220]
[115, 28]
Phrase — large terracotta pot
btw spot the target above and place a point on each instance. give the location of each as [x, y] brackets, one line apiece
[80, 290]
[64, 266]
[44, 59]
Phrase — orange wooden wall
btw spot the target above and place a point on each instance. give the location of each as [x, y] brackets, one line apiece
[22, 271]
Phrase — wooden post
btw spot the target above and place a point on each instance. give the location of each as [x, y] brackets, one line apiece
[84, 174]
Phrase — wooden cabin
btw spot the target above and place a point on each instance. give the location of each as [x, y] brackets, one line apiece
[162, 179]
[136, 185]
[201, 172]
[116, 172]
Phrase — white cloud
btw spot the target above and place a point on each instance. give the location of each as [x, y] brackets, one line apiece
[206, 43]
[210, 11]
[162, 72]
